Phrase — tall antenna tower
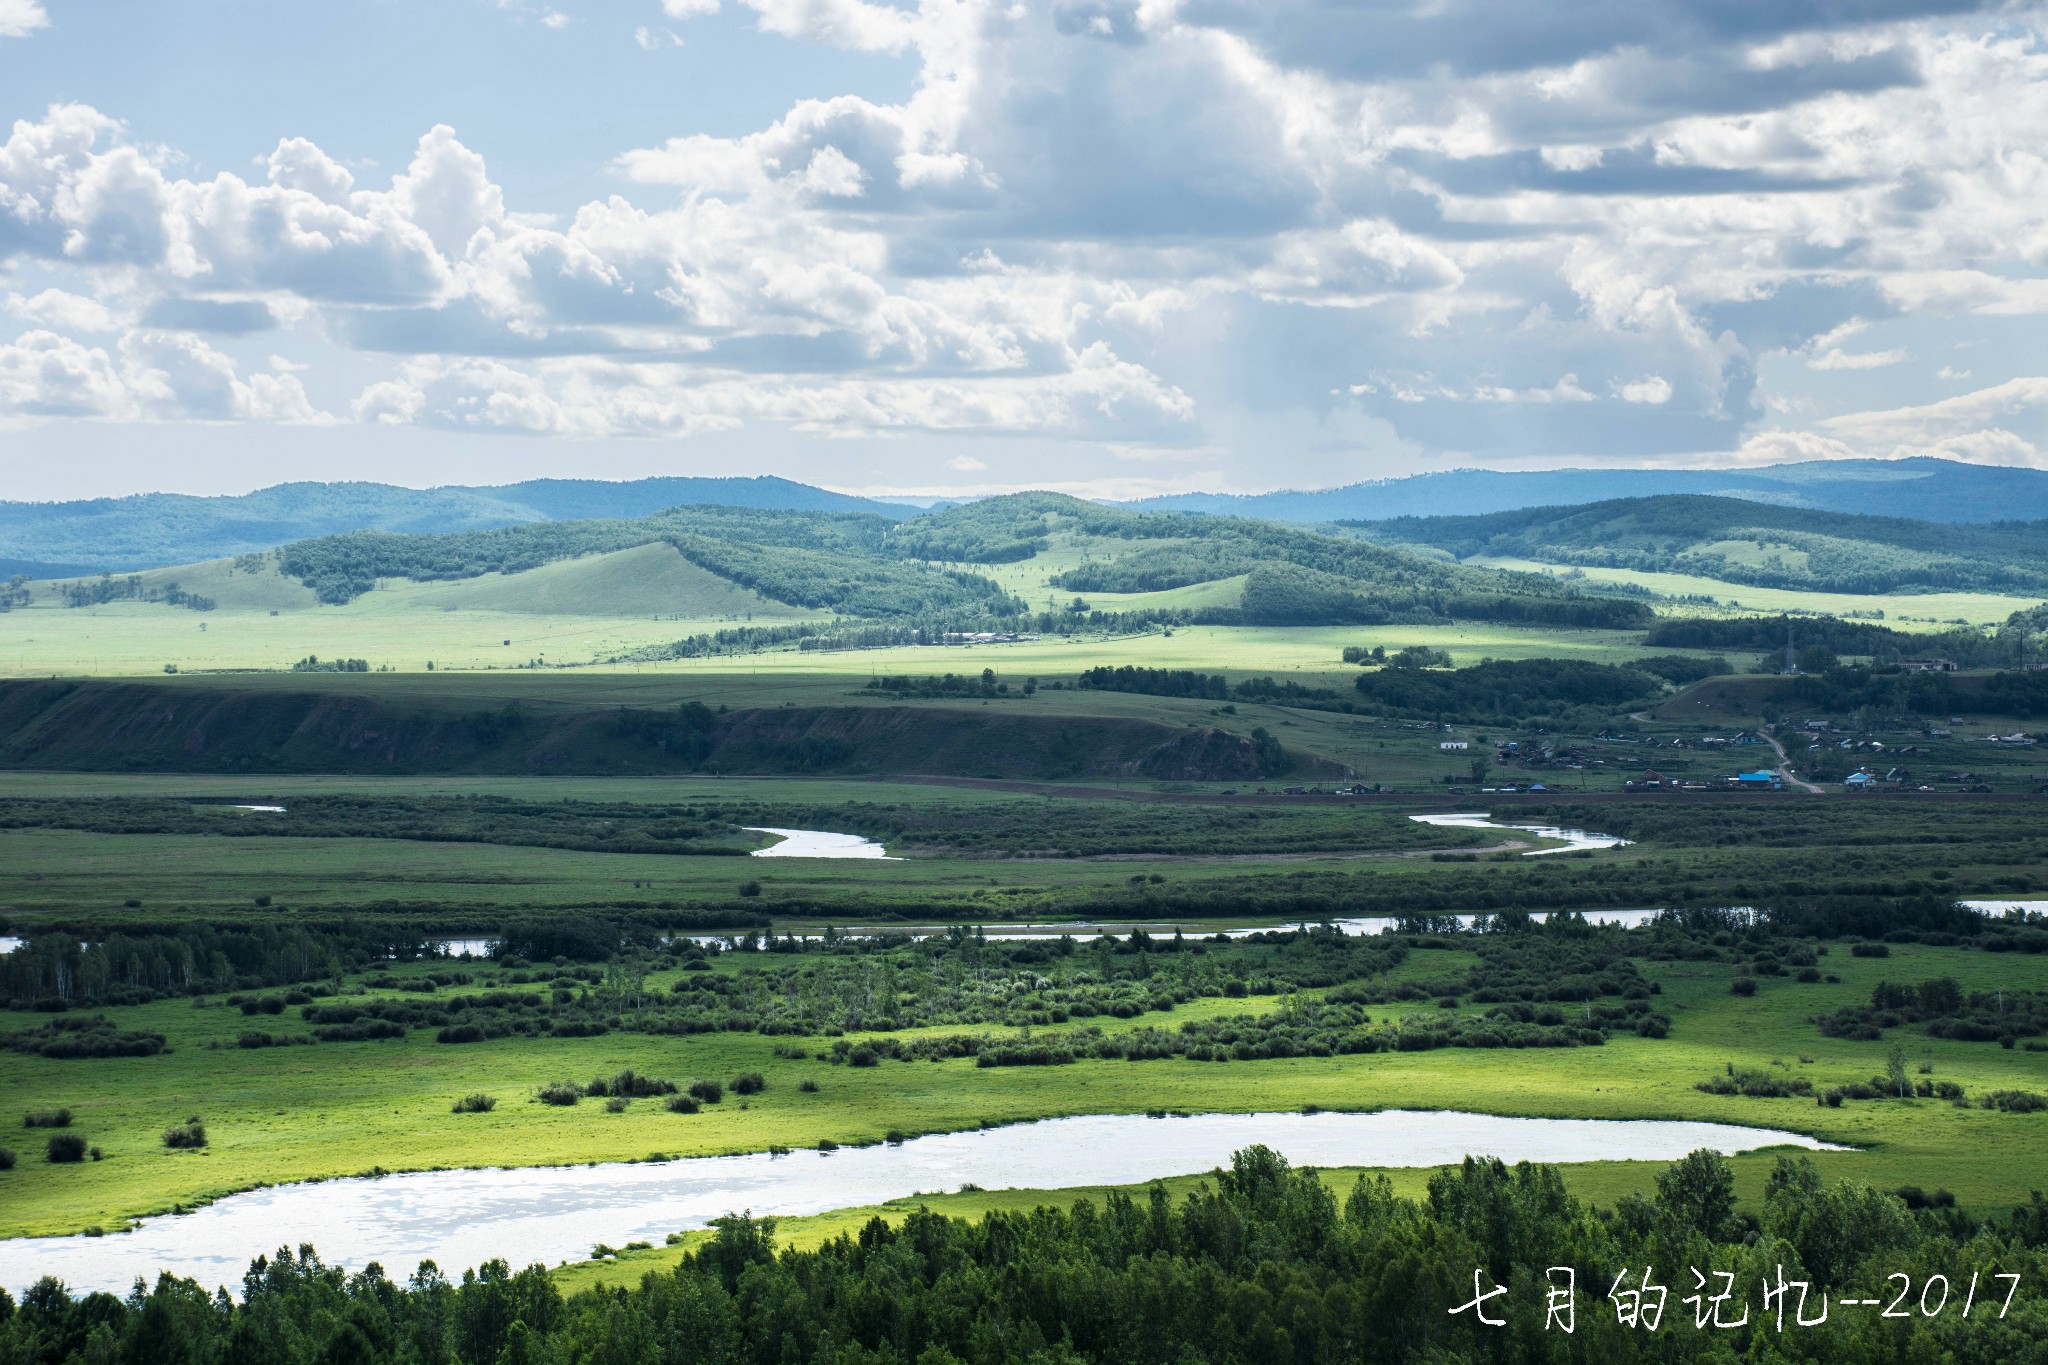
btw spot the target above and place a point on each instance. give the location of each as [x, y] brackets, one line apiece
[1791, 659]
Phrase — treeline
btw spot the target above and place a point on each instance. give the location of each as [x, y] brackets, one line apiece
[1261, 1264]
[1884, 644]
[57, 971]
[1157, 682]
[1507, 687]
[932, 631]
[946, 687]
[1892, 691]
[93, 592]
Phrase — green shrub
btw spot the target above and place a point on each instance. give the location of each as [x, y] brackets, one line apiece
[190, 1133]
[475, 1104]
[749, 1083]
[559, 1093]
[682, 1104]
[617, 1104]
[808, 1086]
[711, 1092]
[1743, 985]
[1756, 1084]
[66, 1147]
[47, 1118]
[6, 1158]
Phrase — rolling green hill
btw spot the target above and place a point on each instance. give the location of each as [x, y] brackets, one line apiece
[762, 571]
[1290, 575]
[1746, 542]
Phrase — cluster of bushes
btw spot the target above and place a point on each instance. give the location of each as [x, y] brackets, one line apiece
[1758, 1084]
[626, 1086]
[86, 1036]
[954, 686]
[1945, 1009]
[1407, 656]
[189, 1134]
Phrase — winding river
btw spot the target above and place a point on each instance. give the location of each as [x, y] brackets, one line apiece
[1573, 840]
[462, 1218]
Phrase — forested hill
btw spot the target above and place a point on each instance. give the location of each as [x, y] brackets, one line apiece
[57, 539]
[1747, 542]
[1290, 575]
[828, 561]
[935, 571]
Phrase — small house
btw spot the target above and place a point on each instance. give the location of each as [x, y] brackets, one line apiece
[1453, 744]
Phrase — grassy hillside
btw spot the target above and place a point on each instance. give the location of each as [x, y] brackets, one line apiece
[1288, 575]
[750, 579]
[1746, 542]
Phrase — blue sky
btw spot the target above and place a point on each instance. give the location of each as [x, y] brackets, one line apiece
[1115, 246]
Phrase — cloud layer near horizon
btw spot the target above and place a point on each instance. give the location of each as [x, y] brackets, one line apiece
[1235, 242]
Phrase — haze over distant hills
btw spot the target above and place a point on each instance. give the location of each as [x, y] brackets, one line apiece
[152, 529]
[59, 539]
[1923, 489]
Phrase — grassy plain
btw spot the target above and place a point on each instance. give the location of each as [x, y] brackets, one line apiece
[345, 1108]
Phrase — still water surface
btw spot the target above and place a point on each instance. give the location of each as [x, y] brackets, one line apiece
[817, 843]
[460, 1219]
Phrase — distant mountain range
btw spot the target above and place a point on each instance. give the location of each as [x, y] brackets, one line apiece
[61, 539]
[1739, 541]
[1921, 489]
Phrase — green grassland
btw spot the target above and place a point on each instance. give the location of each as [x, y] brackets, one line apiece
[570, 610]
[344, 1108]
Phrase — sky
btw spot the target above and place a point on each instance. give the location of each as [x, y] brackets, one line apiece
[1116, 247]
